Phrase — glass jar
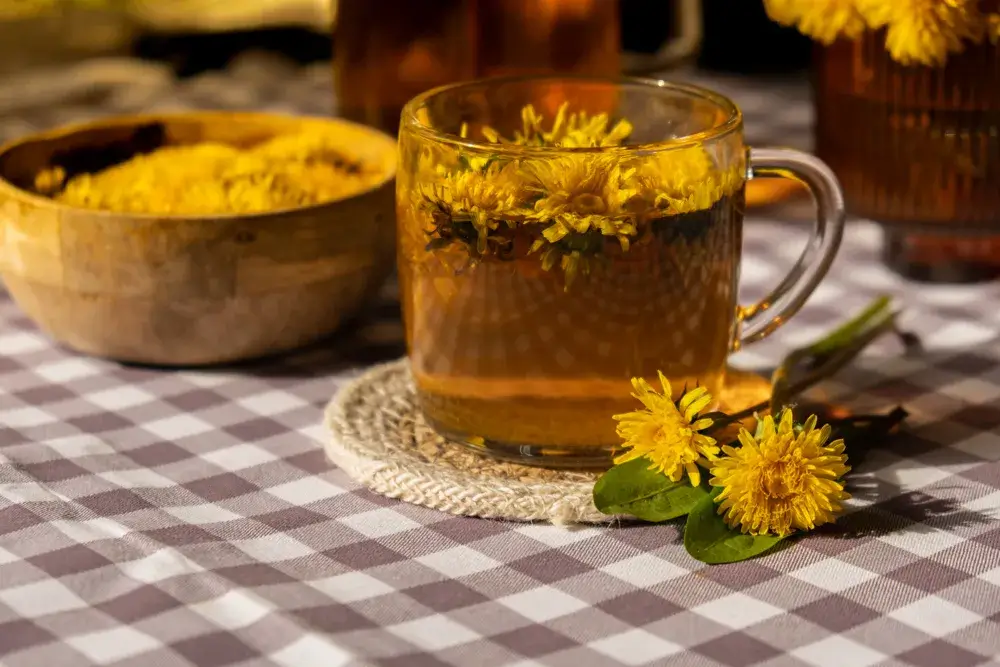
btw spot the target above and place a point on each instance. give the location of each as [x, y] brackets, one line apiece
[918, 149]
[387, 52]
[60, 32]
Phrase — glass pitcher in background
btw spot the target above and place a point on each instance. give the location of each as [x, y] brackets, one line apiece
[389, 51]
[59, 32]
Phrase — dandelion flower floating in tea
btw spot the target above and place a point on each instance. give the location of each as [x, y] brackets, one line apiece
[580, 200]
[682, 181]
[475, 201]
[668, 433]
[575, 130]
[578, 195]
[782, 479]
[564, 207]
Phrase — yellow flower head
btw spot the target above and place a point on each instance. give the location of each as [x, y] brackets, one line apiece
[781, 480]
[667, 433]
[823, 20]
[921, 32]
[437, 161]
[924, 31]
[682, 181]
[580, 193]
[484, 197]
[575, 130]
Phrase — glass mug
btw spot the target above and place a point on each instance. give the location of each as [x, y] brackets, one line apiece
[537, 278]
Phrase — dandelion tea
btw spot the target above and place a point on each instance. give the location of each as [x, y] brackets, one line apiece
[535, 286]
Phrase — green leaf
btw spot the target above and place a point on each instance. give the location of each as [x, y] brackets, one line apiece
[862, 433]
[826, 356]
[631, 488]
[879, 309]
[710, 540]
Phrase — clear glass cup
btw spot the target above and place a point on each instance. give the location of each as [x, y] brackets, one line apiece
[538, 277]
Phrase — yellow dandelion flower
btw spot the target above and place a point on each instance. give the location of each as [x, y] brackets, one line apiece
[580, 193]
[823, 20]
[437, 161]
[781, 480]
[569, 130]
[667, 433]
[925, 31]
[484, 197]
[580, 130]
[683, 181]
[434, 162]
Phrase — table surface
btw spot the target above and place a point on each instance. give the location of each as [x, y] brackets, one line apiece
[153, 517]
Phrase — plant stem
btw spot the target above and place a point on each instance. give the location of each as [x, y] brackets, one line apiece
[828, 355]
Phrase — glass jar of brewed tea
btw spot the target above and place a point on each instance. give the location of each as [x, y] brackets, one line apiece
[389, 51]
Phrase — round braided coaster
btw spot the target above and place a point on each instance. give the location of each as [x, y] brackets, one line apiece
[379, 438]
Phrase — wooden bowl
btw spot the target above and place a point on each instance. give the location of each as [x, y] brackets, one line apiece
[181, 290]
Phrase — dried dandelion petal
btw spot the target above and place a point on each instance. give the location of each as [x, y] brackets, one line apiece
[216, 179]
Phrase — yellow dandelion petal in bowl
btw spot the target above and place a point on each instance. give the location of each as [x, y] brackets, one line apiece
[668, 433]
[781, 480]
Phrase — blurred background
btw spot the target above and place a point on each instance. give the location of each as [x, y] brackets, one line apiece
[65, 61]
[129, 54]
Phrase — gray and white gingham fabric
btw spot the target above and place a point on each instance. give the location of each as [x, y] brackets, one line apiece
[166, 518]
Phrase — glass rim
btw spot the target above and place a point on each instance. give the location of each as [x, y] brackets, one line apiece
[732, 122]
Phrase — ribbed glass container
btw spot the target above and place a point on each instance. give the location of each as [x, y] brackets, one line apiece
[918, 149]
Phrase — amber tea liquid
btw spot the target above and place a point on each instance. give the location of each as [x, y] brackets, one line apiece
[502, 351]
[390, 50]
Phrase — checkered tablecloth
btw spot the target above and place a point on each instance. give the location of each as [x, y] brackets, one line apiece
[161, 518]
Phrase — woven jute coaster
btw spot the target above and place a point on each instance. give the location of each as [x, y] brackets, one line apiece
[380, 439]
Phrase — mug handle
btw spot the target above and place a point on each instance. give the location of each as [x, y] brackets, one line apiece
[763, 318]
[689, 14]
